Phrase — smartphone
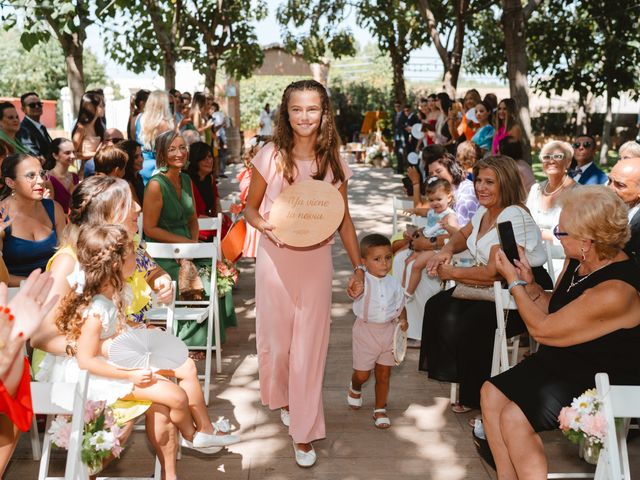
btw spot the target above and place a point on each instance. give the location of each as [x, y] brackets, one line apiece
[508, 241]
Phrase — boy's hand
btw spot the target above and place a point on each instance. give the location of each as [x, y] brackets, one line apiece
[404, 325]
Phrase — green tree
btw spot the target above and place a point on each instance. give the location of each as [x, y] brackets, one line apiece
[67, 20]
[588, 52]
[224, 35]
[41, 69]
[145, 34]
[395, 24]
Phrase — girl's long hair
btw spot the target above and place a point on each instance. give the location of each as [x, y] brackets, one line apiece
[156, 112]
[327, 149]
[96, 201]
[102, 250]
[88, 109]
[512, 115]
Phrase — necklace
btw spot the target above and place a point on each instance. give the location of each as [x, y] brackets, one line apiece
[573, 283]
[556, 190]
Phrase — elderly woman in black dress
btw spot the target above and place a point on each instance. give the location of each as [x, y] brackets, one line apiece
[589, 324]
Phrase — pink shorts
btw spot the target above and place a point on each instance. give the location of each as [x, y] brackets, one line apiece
[372, 343]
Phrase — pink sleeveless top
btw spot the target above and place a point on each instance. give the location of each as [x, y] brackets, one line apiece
[61, 194]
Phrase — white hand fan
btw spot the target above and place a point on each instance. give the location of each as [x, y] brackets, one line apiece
[413, 158]
[399, 344]
[148, 348]
[416, 131]
[471, 115]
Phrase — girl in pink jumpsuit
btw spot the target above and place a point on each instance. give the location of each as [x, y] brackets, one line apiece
[293, 285]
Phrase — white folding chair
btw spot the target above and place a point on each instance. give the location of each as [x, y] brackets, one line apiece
[399, 206]
[618, 402]
[199, 311]
[500, 362]
[213, 223]
[74, 396]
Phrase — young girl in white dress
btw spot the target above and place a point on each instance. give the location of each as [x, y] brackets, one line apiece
[93, 315]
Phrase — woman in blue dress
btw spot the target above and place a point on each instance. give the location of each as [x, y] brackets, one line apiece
[36, 222]
[483, 137]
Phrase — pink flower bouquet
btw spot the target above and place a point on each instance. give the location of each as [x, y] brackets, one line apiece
[101, 437]
[583, 423]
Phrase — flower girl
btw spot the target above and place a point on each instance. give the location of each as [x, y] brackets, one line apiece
[94, 314]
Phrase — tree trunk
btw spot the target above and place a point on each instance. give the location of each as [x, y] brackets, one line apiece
[514, 26]
[73, 50]
[399, 89]
[606, 129]
[169, 71]
[581, 115]
[211, 72]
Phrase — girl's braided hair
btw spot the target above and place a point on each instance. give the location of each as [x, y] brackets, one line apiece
[102, 250]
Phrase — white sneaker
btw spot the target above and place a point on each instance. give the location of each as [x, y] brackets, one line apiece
[284, 416]
[207, 450]
[204, 440]
[305, 459]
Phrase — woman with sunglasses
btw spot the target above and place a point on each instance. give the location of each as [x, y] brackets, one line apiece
[590, 323]
[36, 222]
[542, 201]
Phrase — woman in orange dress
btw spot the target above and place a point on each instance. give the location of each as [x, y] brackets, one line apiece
[293, 285]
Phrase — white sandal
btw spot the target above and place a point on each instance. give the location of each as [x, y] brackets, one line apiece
[381, 422]
[354, 403]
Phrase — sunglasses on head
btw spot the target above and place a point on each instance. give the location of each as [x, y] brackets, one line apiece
[586, 144]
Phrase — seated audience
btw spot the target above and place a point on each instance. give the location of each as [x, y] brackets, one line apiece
[33, 135]
[484, 134]
[585, 171]
[9, 126]
[458, 333]
[630, 149]
[60, 157]
[111, 161]
[169, 213]
[624, 179]
[37, 222]
[132, 169]
[589, 324]
[542, 201]
[88, 132]
[506, 124]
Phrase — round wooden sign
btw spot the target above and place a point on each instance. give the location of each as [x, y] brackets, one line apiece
[307, 213]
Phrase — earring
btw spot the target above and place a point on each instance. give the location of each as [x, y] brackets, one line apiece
[583, 256]
[13, 192]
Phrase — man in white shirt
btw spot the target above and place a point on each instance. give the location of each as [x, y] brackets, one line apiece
[266, 122]
[624, 179]
[32, 133]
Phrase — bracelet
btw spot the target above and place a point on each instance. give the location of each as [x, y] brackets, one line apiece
[516, 283]
[359, 267]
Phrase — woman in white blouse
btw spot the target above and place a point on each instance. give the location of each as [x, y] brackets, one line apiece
[542, 201]
[458, 334]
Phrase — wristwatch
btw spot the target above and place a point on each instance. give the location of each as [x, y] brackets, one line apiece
[515, 283]
[360, 267]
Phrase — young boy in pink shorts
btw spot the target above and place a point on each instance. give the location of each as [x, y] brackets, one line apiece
[378, 310]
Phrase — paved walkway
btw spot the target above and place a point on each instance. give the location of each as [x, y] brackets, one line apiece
[426, 441]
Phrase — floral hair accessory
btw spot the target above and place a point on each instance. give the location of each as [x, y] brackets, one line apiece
[77, 279]
[433, 179]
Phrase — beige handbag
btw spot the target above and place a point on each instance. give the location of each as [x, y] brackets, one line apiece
[464, 291]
